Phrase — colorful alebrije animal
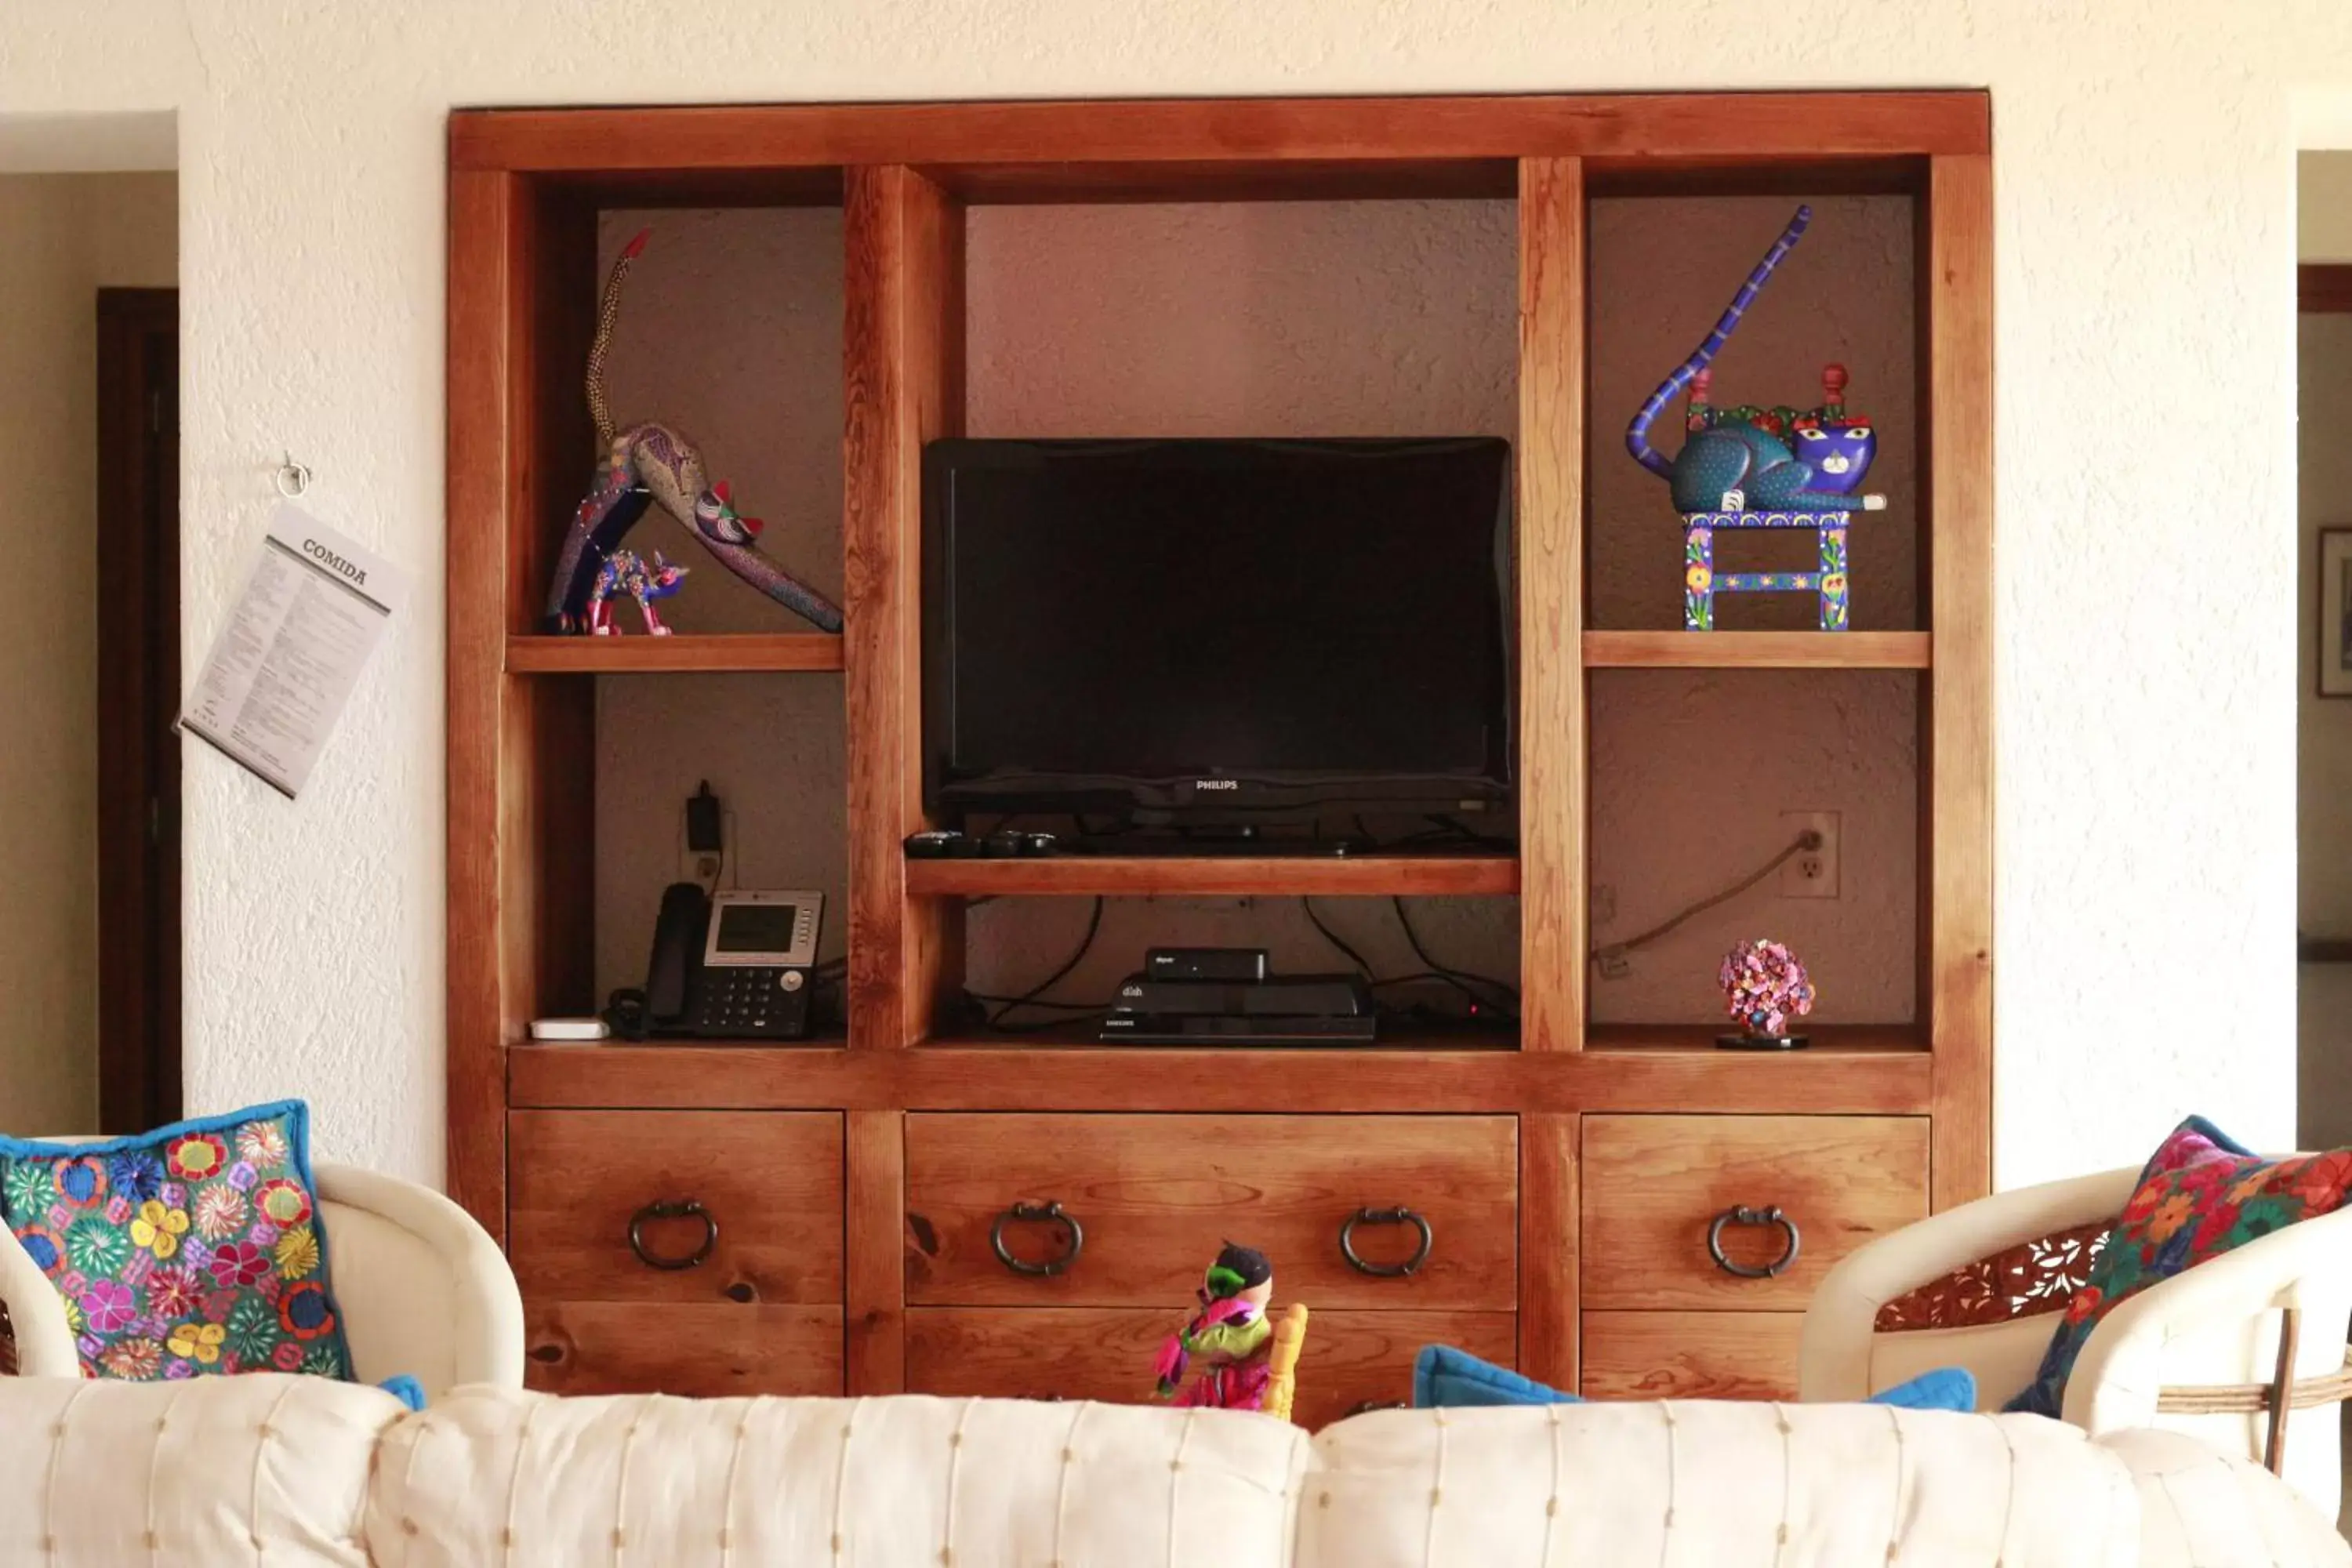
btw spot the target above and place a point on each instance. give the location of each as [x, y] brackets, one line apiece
[1229, 1335]
[626, 572]
[1736, 459]
[653, 462]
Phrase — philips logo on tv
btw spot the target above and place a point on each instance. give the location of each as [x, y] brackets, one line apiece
[1216, 784]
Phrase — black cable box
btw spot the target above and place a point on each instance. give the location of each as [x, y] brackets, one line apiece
[1288, 997]
[1219, 1029]
[1205, 964]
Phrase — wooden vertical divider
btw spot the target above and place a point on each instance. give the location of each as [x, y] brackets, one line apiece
[1550, 1226]
[874, 1276]
[1551, 783]
[904, 366]
[483, 219]
[1959, 1000]
[521, 780]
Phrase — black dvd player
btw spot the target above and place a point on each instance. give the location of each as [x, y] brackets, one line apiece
[1223, 1029]
[1287, 996]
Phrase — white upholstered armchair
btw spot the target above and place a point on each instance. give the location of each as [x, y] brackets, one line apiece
[424, 1290]
[2199, 1354]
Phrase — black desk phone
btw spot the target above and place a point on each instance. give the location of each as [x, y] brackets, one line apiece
[732, 965]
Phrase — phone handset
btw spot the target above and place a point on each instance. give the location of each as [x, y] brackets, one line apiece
[678, 936]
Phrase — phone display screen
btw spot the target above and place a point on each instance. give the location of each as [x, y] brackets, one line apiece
[755, 928]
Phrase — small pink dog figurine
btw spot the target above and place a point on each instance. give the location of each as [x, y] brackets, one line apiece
[626, 572]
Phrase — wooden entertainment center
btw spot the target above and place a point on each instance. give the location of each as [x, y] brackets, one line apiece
[854, 1187]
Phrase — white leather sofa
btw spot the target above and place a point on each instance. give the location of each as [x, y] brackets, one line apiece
[2216, 1325]
[297, 1473]
[424, 1290]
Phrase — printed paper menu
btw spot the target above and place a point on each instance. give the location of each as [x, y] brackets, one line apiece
[313, 609]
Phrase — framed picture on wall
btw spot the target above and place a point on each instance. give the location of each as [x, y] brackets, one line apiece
[2336, 612]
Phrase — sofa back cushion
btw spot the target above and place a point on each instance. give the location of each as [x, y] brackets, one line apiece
[976, 1484]
[1792, 1486]
[265, 1468]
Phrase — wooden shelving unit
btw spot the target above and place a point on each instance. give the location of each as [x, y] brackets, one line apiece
[840, 1229]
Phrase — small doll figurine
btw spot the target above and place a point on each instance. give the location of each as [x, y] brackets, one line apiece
[1230, 1335]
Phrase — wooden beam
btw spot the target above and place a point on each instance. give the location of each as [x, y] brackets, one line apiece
[1757, 650]
[1824, 1080]
[1549, 1224]
[483, 217]
[1551, 777]
[1240, 876]
[875, 1322]
[1959, 818]
[903, 352]
[1624, 131]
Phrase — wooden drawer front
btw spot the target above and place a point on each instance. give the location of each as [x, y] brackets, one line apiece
[1654, 1185]
[1156, 1196]
[611, 1347]
[1350, 1360]
[769, 1182]
[1690, 1355]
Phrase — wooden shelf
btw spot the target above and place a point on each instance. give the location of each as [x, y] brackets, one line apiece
[1236, 1081]
[672, 655]
[1757, 650]
[1828, 1039]
[1217, 876]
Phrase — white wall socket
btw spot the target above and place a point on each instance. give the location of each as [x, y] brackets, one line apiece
[1810, 873]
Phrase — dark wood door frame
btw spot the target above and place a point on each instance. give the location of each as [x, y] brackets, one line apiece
[138, 702]
[2323, 288]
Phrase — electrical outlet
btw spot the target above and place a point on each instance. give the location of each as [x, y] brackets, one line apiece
[1604, 904]
[1810, 873]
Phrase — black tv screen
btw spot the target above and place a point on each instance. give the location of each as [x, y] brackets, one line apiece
[1215, 626]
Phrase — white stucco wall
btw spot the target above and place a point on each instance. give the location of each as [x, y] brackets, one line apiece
[2146, 573]
[68, 237]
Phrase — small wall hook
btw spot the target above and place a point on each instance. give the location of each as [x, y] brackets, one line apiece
[292, 478]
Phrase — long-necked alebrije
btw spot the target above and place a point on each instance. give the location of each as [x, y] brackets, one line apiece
[652, 462]
[1731, 465]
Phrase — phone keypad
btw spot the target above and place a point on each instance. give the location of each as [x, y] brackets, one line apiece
[754, 1001]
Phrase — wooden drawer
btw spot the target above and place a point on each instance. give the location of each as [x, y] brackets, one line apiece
[1156, 1196]
[1690, 1355]
[1350, 1360]
[700, 1352]
[1654, 1185]
[769, 1183]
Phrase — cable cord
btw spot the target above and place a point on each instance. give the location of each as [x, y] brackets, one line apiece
[1457, 977]
[1808, 839]
[1030, 997]
[1363, 966]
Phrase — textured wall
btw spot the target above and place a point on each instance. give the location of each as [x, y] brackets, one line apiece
[2145, 236]
[68, 235]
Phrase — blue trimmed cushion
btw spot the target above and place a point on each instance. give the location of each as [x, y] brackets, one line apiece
[1444, 1378]
[191, 1251]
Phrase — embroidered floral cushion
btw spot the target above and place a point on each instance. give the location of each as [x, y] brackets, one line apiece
[2201, 1196]
[185, 1252]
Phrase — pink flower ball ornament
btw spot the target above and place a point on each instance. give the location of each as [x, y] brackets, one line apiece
[1765, 986]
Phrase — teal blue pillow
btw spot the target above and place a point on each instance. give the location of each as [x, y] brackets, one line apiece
[1444, 1378]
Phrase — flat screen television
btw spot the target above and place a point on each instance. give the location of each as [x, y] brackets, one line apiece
[1215, 630]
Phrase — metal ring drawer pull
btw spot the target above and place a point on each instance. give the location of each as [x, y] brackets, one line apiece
[1045, 1213]
[1385, 1216]
[1742, 1215]
[688, 1209]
